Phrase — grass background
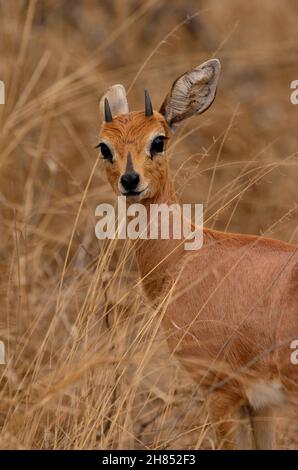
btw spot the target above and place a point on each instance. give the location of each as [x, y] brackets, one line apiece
[87, 362]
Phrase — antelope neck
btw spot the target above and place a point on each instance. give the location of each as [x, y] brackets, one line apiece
[157, 258]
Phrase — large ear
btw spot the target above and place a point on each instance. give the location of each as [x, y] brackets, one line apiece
[116, 99]
[192, 93]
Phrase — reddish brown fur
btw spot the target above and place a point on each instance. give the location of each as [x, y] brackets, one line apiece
[129, 133]
[233, 308]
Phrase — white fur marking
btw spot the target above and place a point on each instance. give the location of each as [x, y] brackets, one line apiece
[263, 394]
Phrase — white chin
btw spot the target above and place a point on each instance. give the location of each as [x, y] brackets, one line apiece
[134, 197]
[137, 196]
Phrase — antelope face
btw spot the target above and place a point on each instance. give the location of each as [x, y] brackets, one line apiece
[133, 147]
[133, 144]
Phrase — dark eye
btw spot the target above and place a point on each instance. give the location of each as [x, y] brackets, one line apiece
[105, 151]
[157, 145]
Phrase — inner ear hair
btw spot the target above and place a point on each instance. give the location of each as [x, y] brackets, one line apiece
[116, 96]
[191, 93]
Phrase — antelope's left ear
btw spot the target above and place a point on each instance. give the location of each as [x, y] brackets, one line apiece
[113, 102]
[192, 93]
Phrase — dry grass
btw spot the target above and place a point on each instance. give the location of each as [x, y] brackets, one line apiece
[88, 365]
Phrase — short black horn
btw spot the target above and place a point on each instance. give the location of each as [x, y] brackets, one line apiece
[108, 113]
[148, 105]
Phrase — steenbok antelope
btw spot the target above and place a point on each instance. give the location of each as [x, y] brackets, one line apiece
[232, 313]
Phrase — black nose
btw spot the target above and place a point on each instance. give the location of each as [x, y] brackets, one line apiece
[130, 181]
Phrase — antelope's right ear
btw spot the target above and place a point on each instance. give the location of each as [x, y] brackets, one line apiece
[192, 93]
[113, 102]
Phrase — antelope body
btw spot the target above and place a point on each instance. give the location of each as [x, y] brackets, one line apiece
[232, 306]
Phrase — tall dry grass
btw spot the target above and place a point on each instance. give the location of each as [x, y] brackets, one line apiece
[87, 362]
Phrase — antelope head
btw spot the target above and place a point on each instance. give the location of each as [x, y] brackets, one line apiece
[133, 144]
